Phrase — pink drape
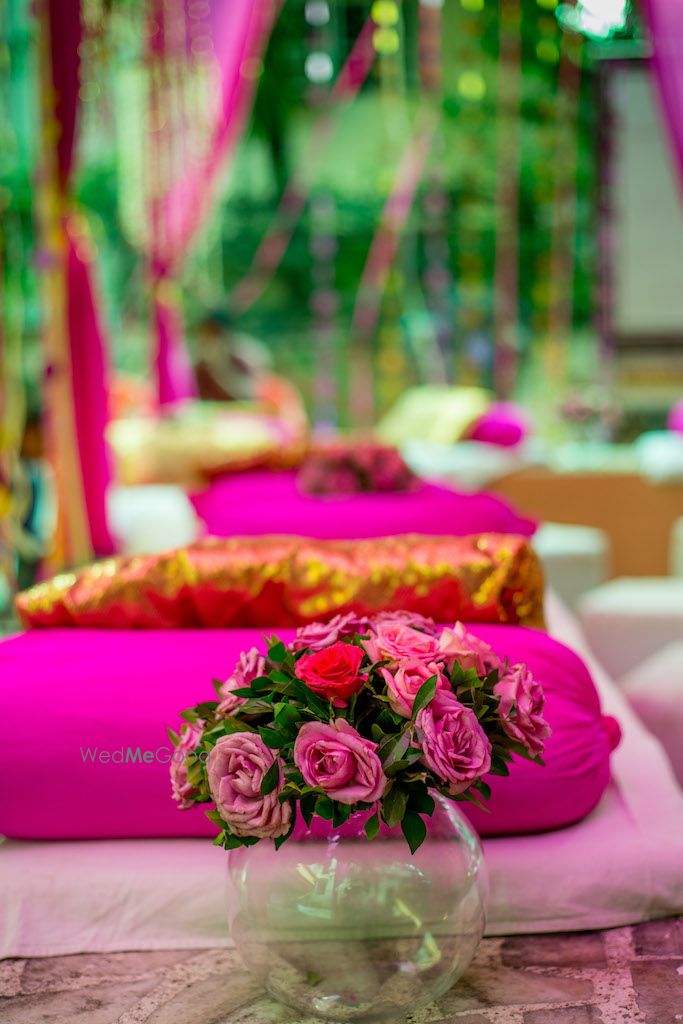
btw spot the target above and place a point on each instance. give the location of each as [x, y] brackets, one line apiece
[665, 21]
[86, 341]
[236, 33]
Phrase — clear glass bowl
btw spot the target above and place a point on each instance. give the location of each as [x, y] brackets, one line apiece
[351, 930]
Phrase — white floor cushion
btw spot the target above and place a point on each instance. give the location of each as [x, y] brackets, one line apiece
[628, 620]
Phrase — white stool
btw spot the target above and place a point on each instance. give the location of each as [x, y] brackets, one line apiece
[655, 691]
[154, 517]
[676, 548]
[629, 619]
[575, 558]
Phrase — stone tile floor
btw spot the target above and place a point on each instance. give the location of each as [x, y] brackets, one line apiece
[624, 976]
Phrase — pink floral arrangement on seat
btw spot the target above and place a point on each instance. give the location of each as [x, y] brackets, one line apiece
[355, 714]
[363, 467]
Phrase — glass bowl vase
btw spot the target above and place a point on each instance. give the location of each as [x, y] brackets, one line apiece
[348, 929]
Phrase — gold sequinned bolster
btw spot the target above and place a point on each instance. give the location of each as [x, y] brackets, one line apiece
[291, 581]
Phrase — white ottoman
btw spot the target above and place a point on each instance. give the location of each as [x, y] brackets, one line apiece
[655, 691]
[676, 549]
[628, 620]
[575, 558]
[149, 518]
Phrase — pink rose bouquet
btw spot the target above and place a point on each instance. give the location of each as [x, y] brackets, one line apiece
[355, 715]
[365, 467]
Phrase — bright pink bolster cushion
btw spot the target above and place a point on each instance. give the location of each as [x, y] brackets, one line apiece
[263, 501]
[76, 703]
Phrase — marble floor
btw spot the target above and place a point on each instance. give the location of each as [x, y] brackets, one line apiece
[624, 976]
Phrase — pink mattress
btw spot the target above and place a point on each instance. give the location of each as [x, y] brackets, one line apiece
[263, 502]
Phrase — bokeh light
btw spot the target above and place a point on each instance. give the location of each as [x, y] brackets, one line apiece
[384, 13]
[319, 68]
[471, 85]
[386, 41]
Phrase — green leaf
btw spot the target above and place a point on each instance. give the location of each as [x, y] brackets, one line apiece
[270, 779]
[394, 805]
[393, 748]
[234, 724]
[388, 720]
[423, 696]
[484, 789]
[217, 683]
[287, 716]
[471, 797]
[260, 684]
[372, 826]
[231, 842]
[190, 715]
[173, 736]
[307, 808]
[215, 817]
[499, 767]
[206, 709]
[277, 652]
[341, 814]
[414, 830]
[408, 759]
[420, 800]
[283, 839]
[376, 733]
[220, 839]
[324, 808]
[273, 737]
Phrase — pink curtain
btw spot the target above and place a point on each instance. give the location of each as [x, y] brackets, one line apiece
[86, 341]
[665, 20]
[226, 46]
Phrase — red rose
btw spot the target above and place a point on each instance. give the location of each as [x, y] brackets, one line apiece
[333, 672]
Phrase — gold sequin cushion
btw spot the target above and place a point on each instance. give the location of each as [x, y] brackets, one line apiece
[289, 581]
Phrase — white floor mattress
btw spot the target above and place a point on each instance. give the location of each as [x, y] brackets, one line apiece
[624, 863]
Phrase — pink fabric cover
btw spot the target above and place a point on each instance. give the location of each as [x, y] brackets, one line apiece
[675, 418]
[105, 690]
[262, 502]
[504, 423]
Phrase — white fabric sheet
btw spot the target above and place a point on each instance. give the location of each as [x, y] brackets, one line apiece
[624, 863]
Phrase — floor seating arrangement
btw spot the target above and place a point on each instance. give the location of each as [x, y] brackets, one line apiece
[619, 864]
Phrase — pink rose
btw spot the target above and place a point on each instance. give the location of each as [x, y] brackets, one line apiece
[339, 760]
[457, 644]
[404, 682]
[333, 673]
[412, 619]
[235, 768]
[395, 641]
[251, 664]
[521, 708]
[455, 746]
[183, 791]
[319, 635]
